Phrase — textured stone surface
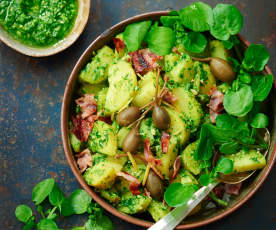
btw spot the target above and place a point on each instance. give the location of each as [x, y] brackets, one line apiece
[31, 91]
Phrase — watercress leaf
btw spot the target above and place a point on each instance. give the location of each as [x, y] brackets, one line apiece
[178, 194]
[79, 201]
[227, 21]
[56, 196]
[161, 40]
[169, 21]
[261, 86]
[256, 57]
[195, 42]
[197, 16]
[205, 179]
[30, 224]
[240, 102]
[23, 213]
[205, 148]
[104, 223]
[135, 33]
[46, 224]
[224, 165]
[259, 121]
[235, 63]
[42, 190]
[66, 208]
[229, 147]
[232, 41]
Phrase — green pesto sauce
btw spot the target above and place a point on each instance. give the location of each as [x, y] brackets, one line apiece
[38, 23]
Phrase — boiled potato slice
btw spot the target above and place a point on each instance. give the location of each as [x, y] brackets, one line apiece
[207, 79]
[217, 49]
[182, 71]
[178, 127]
[122, 82]
[131, 204]
[158, 210]
[247, 160]
[103, 139]
[146, 90]
[96, 71]
[188, 159]
[190, 108]
[111, 195]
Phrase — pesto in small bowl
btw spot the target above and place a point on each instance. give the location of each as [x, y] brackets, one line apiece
[38, 23]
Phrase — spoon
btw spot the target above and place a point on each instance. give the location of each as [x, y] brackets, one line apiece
[172, 219]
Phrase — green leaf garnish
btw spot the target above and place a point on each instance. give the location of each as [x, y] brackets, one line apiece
[42, 190]
[261, 86]
[256, 57]
[56, 196]
[232, 41]
[259, 121]
[178, 194]
[240, 102]
[23, 213]
[161, 40]
[227, 21]
[197, 17]
[205, 179]
[46, 224]
[169, 21]
[103, 223]
[224, 165]
[229, 147]
[195, 42]
[135, 33]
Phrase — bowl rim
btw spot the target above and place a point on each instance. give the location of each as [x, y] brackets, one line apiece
[79, 25]
[72, 163]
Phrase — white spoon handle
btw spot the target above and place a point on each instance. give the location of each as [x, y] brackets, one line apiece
[172, 219]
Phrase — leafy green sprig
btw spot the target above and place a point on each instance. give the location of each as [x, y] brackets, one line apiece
[79, 202]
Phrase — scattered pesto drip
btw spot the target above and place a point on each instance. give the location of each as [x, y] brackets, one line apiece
[38, 23]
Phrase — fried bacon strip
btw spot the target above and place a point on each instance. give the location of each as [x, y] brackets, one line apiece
[148, 154]
[81, 128]
[144, 61]
[233, 188]
[84, 160]
[119, 44]
[216, 104]
[134, 183]
[87, 104]
[176, 167]
[165, 140]
[169, 97]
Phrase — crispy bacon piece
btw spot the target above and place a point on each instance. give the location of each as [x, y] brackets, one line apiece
[87, 104]
[233, 188]
[119, 44]
[216, 104]
[107, 120]
[144, 60]
[169, 97]
[134, 183]
[219, 191]
[84, 160]
[165, 140]
[176, 167]
[82, 128]
[148, 154]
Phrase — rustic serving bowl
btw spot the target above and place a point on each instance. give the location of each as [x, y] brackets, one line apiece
[249, 188]
[81, 20]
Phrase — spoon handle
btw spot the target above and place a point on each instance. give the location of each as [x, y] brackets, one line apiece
[172, 219]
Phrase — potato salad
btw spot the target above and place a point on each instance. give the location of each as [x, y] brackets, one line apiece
[169, 106]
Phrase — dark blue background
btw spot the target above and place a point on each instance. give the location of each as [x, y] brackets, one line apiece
[31, 91]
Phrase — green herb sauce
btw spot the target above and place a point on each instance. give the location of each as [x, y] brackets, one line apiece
[38, 23]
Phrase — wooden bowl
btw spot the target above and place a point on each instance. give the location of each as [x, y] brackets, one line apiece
[249, 188]
[80, 23]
